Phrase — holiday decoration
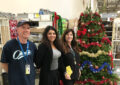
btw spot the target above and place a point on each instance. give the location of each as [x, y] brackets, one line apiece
[93, 82]
[92, 54]
[96, 57]
[98, 69]
[12, 24]
[57, 23]
[56, 17]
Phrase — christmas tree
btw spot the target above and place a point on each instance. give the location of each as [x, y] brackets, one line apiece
[96, 57]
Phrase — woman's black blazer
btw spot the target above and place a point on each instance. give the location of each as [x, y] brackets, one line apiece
[68, 60]
[43, 61]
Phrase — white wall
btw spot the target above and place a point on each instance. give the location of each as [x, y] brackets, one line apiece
[66, 8]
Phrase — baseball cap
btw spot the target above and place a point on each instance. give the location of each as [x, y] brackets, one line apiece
[22, 22]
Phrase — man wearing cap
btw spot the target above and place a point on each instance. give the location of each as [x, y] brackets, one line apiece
[18, 57]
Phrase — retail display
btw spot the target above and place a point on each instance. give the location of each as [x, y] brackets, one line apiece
[36, 35]
[59, 23]
[12, 25]
[4, 30]
[116, 45]
[116, 39]
[4, 37]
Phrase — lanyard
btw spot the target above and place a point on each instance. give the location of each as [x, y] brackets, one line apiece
[25, 57]
[72, 51]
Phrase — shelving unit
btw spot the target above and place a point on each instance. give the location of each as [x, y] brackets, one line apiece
[4, 37]
[36, 30]
[108, 28]
[36, 35]
[4, 32]
[116, 45]
[116, 39]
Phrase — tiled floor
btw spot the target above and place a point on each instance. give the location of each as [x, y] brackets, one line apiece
[0, 81]
[36, 81]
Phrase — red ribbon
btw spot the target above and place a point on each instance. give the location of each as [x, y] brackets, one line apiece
[96, 14]
[94, 34]
[110, 54]
[56, 17]
[82, 14]
[83, 32]
[92, 81]
[90, 44]
[106, 39]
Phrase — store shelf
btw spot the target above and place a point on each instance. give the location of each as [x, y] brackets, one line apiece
[37, 30]
[108, 31]
[116, 59]
[116, 43]
[36, 35]
[116, 40]
[108, 28]
[109, 37]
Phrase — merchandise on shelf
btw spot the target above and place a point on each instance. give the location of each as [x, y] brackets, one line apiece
[59, 23]
[12, 25]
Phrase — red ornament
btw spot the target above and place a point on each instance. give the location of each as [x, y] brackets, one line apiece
[79, 33]
[82, 23]
[96, 67]
[105, 35]
[85, 79]
[115, 83]
[86, 15]
[100, 20]
[100, 45]
[84, 31]
[103, 77]
[82, 14]
[83, 41]
[92, 30]
[97, 14]
[99, 23]
[111, 83]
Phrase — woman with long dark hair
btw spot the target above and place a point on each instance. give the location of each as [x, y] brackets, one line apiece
[49, 58]
[71, 56]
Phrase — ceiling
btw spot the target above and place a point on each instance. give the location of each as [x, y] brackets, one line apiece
[108, 6]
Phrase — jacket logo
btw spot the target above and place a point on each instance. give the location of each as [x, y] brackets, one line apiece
[18, 54]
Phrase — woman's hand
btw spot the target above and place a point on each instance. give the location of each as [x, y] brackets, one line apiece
[67, 76]
[79, 72]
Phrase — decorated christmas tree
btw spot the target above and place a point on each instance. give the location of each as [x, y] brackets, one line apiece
[96, 57]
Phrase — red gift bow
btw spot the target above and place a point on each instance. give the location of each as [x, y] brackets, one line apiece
[56, 17]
